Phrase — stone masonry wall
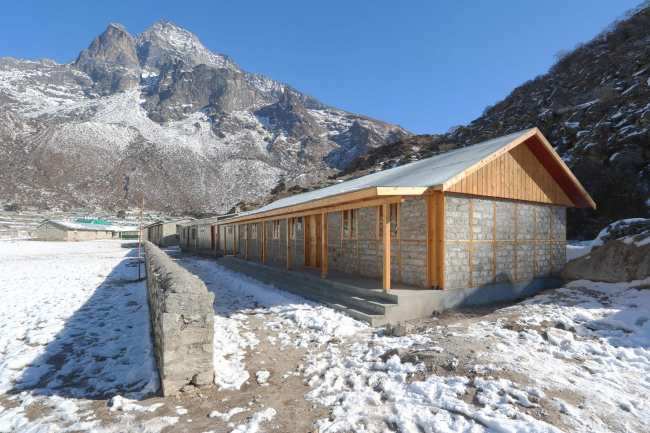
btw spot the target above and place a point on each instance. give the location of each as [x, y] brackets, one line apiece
[182, 318]
[530, 241]
[456, 264]
[505, 262]
[457, 219]
[368, 258]
[482, 263]
[482, 219]
[413, 241]
[367, 223]
[334, 240]
[349, 262]
[414, 263]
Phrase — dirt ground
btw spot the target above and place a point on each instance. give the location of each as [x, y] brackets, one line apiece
[285, 392]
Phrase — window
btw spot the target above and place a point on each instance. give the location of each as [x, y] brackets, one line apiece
[229, 230]
[349, 221]
[292, 223]
[276, 229]
[299, 223]
[193, 233]
[202, 229]
[393, 217]
[254, 231]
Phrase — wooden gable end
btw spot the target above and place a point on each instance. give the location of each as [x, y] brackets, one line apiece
[517, 175]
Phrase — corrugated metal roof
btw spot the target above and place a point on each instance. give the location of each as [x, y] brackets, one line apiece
[87, 226]
[428, 172]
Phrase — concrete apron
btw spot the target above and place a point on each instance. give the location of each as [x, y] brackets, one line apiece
[411, 303]
[422, 303]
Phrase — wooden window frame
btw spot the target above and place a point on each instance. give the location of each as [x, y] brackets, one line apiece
[379, 220]
[292, 228]
[276, 229]
[254, 231]
[352, 215]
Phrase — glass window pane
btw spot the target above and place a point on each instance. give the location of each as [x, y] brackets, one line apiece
[353, 223]
[346, 231]
[393, 220]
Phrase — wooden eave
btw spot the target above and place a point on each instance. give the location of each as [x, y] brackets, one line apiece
[373, 196]
[548, 158]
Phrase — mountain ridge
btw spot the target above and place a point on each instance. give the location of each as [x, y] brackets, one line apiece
[158, 115]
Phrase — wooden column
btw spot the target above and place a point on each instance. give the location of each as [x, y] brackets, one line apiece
[288, 243]
[324, 264]
[431, 245]
[386, 246]
[234, 241]
[247, 236]
[440, 240]
[264, 254]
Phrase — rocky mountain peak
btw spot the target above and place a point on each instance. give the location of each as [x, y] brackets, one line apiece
[165, 39]
[111, 61]
[289, 101]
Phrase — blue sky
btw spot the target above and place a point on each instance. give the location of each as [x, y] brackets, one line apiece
[425, 65]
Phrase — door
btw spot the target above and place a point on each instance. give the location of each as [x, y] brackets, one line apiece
[313, 231]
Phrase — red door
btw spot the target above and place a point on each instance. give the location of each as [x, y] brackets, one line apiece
[212, 235]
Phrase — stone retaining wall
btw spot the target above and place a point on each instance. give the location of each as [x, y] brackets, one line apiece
[182, 318]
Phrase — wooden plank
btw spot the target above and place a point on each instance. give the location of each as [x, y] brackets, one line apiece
[440, 233]
[471, 240]
[489, 159]
[494, 247]
[288, 230]
[356, 205]
[234, 242]
[430, 242]
[385, 190]
[264, 243]
[324, 243]
[386, 247]
[247, 240]
[368, 193]
[516, 235]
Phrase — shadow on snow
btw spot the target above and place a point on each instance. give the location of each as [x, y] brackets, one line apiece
[105, 347]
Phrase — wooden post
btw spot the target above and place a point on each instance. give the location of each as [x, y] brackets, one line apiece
[386, 246]
[288, 243]
[440, 236]
[234, 241]
[247, 236]
[431, 245]
[264, 257]
[324, 264]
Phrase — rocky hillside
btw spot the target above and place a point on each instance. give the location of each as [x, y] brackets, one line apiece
[160, 115]
[593, 105]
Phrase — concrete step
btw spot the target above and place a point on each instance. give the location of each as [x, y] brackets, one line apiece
[365, 300]
[367, 308]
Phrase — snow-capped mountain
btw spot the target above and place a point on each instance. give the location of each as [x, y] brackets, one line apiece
[160, 115]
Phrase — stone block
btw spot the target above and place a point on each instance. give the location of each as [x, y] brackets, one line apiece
[457, 217]
[182, 317]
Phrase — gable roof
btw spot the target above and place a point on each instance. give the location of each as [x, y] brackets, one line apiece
[444, 169]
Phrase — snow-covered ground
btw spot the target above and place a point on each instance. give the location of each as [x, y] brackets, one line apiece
[74, 327]
[75, 354]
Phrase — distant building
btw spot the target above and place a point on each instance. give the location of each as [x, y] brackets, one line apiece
[79, 231]
[202, 234]
[164, 233]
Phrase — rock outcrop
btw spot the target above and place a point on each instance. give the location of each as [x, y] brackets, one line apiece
[616, 261]
[111, 61]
